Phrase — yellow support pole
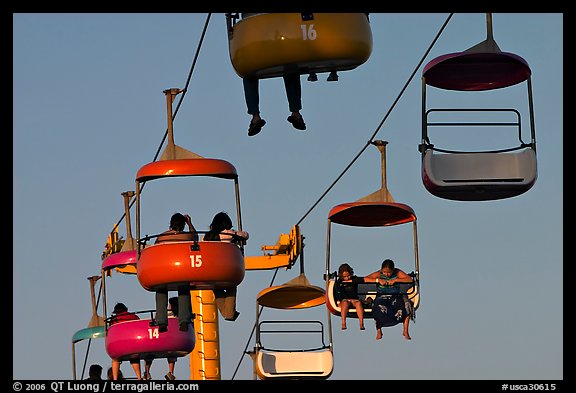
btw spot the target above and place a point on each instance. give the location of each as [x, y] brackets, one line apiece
[205, 358]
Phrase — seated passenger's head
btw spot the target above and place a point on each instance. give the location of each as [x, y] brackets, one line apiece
[221, 221]
[119, 308]
[177, 222]
[387, 267]
[345, 271]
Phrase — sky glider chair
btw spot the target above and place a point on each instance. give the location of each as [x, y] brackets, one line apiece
[375, 210]
[310, 363]
[268, 45]
[207, 265]
[477, 175]
[299, 357]
[137, 339]
[184, 259]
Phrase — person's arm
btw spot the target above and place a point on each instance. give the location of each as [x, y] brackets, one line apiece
[372, 277]
[243, 234]
[191, 227]
[236, 236]
[400, 278]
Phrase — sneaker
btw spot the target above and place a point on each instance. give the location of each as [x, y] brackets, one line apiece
[256, 127]
[297, 122]
[184, 327]
[147, 376]
[169, 376]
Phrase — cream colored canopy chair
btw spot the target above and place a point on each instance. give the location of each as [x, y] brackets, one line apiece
[315, 362]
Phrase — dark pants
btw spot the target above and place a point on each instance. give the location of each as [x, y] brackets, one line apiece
[184, 306]
[293, 93]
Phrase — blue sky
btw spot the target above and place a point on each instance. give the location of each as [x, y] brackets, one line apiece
[89, 111]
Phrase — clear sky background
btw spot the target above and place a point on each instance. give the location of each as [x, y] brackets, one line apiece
[89, 111]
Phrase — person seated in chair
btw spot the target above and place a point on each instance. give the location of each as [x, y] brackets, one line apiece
[346, 294]
[177, 224]
[391, 307]
[221, 230]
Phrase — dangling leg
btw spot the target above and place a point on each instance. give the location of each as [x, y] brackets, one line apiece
[226, 303]
[252, 97]
[379, 315]
[184, 307]
[170, 374]
[405, 331]
[344, 306]
[294, 95]
[115, 369]
[220, 296]
[231, 314]
[162, 310]
[136, 366]
[360, 313]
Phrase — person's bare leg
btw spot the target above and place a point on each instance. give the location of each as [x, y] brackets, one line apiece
[360, 313]
[378, 333]
[405, 332]
[115, 369]
[136, 367]
[344, 305]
